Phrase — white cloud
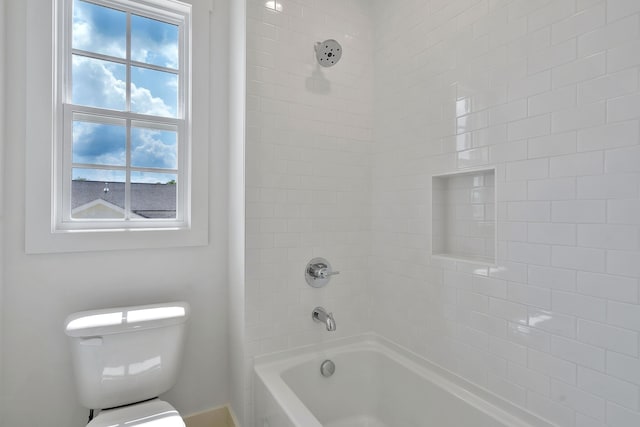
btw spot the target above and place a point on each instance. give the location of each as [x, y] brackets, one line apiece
[149, 150]
[94, 84]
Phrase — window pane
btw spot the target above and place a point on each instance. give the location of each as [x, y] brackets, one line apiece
[154, 42]
[152, 148]
[97, 193]
[99, 29]
[154, 92]
[99, 144]
[98, 83]
[153, 195]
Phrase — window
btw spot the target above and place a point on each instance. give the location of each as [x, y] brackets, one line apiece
[117, 142]
[123, 115]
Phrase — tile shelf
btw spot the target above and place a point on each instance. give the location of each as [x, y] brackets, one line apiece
[464, 216]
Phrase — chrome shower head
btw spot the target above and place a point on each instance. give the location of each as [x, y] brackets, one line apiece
[328, 52]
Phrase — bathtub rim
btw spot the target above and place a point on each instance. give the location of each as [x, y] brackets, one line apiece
[270, 367]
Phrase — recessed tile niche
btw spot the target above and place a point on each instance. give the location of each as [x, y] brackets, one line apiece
[464, 216]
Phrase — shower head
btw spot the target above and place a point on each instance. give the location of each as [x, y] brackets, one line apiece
[328, 52]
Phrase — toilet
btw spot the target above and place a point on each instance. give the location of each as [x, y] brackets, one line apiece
[124, 358]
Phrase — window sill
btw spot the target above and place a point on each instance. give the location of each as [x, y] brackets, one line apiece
[113, 239]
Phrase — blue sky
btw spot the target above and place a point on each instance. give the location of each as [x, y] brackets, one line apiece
[99, 83]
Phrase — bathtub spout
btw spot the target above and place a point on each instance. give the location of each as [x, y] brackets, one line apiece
[319, 314]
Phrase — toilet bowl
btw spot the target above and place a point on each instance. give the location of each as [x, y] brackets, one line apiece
[124, 358]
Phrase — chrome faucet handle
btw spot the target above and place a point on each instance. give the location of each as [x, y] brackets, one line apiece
[318, 272]
[325, 272]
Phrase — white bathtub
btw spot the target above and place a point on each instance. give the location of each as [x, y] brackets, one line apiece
[376, 384]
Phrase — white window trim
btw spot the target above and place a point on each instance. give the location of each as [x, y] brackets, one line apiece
[42, 160]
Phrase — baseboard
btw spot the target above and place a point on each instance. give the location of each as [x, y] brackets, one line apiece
[218, 417]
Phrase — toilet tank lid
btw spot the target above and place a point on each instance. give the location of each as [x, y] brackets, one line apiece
[126, 319]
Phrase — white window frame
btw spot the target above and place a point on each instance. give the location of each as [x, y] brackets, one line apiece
[175, 14]
[46, 228]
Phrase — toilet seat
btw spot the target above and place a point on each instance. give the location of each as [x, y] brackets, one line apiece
[153, 413]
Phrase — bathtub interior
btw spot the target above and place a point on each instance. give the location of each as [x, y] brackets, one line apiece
[371, 389]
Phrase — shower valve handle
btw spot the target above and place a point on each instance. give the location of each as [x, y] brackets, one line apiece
[318, 272]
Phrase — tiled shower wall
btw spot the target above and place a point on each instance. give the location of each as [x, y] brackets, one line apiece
[547, 92]
[308, 182]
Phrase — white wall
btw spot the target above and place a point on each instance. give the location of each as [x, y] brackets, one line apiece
[546, 91]
[307, 170]
[40, 290]
[2, 139]
[239, 370]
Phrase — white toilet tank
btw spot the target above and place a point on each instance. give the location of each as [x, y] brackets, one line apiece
[128, 354]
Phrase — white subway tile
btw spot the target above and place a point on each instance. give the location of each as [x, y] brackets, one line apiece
[553, 322]
[624, 315]
[506, 113]
[579, 70]
[550, 410]
[548, 92]
[529, 337]
[609, 86]
[584, 116]
[529, 86]
[529, 128]
[622, 160]
[622, 57]
[552, 278]
[584, 421]
[552, 233]
[553, 56]
[609, 337]
[490, 286]
[507, 310]
[456, 279]
[528, 169]
[529, 379]
[552, 12]
[472, 337]
[577, 399]
[585, 259]
[510, 152]
[508, 350]
[530, 253]
[612, 389]
[609, 136]
[609, 36]
[489, 324]
[624, 367]
[577, 352]
[577, 164]
[624, 263]
[529, 295]
[608, 236]
[617, 416]
[552, 366]
[551, 145]
[507, 389]
[579, 23]
[624, 108]
[623, 211]
[554, 100]
[617, 9]
[579, 211]
[473, 158]
[529, 211]
[552, 189]
[579, 305]
[616, 288]
[618, 186]
[473, 302]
